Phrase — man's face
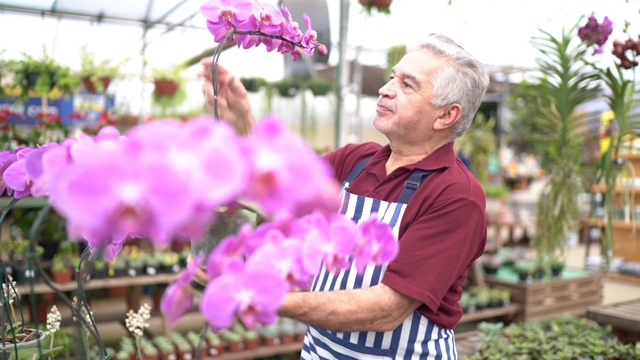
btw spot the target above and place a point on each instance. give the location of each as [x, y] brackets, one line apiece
[404, 111]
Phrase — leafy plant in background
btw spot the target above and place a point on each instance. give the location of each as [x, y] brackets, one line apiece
[565, 337]
[621, 99]
[478, 145]
[41, 76]
[563, 83]
[394, 55]
[97, 75]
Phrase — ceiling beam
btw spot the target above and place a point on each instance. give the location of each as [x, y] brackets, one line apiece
[90, 17]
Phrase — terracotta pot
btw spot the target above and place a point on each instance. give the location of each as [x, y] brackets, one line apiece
[271, 341]
[235, 346]
[251, 344]
[216, 350]
[376, 3]
[165, 87]
[62, 277]
[91, 87]
[286, 338]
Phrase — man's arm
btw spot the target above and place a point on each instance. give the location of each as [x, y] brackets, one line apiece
[378, 308]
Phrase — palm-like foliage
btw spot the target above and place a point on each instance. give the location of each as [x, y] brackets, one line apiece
[564, 83]
[622, 101]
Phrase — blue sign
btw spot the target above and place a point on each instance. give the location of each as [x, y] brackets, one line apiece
[79, 110]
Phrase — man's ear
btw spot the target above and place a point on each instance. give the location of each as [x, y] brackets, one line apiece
[449, 116]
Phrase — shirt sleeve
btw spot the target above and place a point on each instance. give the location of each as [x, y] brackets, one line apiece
[436, 249]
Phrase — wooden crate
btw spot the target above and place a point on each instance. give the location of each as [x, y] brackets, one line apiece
[624, 318]
[548, 298]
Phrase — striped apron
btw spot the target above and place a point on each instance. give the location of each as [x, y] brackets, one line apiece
[417, 337]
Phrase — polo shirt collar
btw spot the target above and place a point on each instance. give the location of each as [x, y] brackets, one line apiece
[443, 157]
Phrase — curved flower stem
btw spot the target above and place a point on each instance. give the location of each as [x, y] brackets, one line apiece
[201, 340]
[214, 72]
[32, 260]
[85, 254]
[6, 210]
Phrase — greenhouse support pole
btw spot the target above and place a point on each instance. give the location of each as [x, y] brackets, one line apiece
[342, 72]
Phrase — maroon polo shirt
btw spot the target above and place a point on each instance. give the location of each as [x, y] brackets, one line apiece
[443, 230]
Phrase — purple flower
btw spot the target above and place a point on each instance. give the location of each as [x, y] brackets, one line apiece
[15, 175]
[281, 182]
[178, 298]
[224, 16]
[247, 292]
[327, 240]
[377, 245]
[594, 33]
[7, 157]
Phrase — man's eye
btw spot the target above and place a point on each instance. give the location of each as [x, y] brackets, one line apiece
[406, 84]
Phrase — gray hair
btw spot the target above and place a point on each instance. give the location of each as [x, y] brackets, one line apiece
[464, 83]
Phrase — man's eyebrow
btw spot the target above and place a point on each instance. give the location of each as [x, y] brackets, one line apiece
[406, 76]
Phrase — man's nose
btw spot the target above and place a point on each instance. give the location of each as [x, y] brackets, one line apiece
[387, 89]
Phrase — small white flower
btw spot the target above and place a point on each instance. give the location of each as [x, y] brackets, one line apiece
[53, 320]
[136, 322]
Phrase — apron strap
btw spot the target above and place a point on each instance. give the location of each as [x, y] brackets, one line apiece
[417, 177]
[357, 169]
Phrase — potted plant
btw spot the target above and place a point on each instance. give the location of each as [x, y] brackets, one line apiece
[253, 84]
[61, 269]
[232, 340]
[148, 350]
[288, 330]
[319, 86]
[491, 263]
[556, 266]
[97, 76]
[199, 345]
[151, 264]
[557, 133]
[23, 271]
[100, 269]
[270, 334]
[382, 6]
[169, 262]
[41, 76]
[214, 343]
[167, 80]
[184, 349]
[288, 87]
[164, 344]
[467, 303]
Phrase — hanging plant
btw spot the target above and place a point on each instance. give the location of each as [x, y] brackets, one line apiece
[319, 86]
[97, 76]
[382, 6]
[287, 87]
[253, 84]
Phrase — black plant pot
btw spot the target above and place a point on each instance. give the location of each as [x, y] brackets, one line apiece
[525, 277]
[23, 275]
[556, 271]
[490, 270]
[135, 271]
[100, 274]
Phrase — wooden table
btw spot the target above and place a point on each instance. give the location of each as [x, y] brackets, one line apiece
[624, 318]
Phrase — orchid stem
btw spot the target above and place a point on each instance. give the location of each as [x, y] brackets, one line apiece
[214, 73]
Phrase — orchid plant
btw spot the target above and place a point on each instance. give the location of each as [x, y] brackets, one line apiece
[165, 181]
[250, 24]
[621, 100]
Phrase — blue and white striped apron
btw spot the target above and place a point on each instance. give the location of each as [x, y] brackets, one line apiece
[417, 337]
